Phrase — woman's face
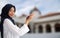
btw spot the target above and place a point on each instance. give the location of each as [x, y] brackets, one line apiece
[11, 12]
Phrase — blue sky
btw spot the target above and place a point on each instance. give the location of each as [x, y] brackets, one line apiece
[25, 6]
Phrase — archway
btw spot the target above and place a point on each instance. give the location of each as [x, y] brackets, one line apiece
[57, 27]
[48, 28]
[40, 29]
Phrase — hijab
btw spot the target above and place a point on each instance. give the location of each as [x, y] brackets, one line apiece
[4, 15]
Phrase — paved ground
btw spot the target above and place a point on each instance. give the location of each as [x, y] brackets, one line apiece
[42, 35]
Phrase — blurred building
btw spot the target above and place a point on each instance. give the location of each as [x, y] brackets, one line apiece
[41, 23]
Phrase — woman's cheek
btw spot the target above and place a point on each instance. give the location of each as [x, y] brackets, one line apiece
[11, 14]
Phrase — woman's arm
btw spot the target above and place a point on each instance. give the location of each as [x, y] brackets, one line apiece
[16, 30]
[13, 28]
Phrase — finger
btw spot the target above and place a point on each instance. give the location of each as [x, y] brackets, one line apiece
[31, 15]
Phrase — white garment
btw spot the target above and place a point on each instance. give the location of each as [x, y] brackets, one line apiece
[13, 31]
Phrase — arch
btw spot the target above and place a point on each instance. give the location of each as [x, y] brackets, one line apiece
[40, 29]
[48, 28]
[57, 27]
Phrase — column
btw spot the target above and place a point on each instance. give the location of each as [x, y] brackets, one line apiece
[44, 28]
[32, 26]
[52, 27]
[36, 26]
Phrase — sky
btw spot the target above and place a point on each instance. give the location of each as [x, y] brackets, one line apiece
[25, 6]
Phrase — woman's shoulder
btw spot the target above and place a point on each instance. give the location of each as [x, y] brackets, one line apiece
[6, 20]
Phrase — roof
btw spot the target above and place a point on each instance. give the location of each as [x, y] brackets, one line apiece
[50, 14]
[35, 9]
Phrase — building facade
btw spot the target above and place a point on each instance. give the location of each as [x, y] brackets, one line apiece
[41, 23]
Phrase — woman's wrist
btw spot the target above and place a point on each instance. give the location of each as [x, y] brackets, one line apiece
[26, 23]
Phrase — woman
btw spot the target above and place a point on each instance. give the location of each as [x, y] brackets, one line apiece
[8, 27]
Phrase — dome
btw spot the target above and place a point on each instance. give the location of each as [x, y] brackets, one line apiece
[35, 9]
